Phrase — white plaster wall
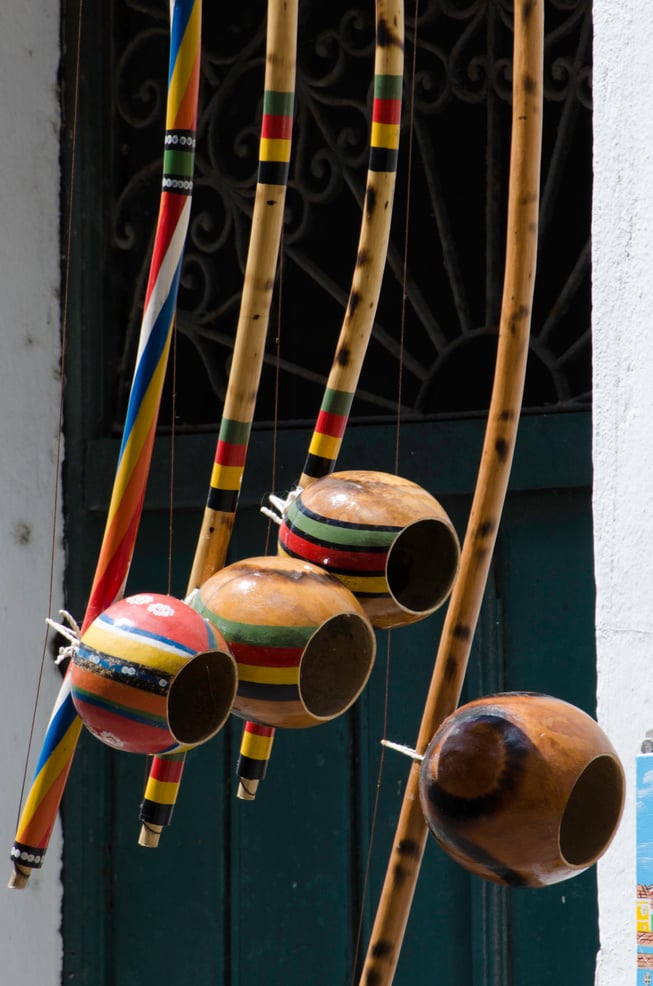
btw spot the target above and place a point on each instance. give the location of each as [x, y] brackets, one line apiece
[30, 943]
[623, 432]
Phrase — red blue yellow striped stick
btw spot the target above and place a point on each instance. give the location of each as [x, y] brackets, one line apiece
[42, 804]
[251, 331]
[366, 282]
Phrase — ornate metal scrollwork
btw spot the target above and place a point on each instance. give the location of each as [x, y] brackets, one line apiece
[447, 289]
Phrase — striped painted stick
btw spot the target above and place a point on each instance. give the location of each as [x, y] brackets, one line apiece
[251, 332]
[363, 296]
[42, 803]
[496, 460]
[372, 249]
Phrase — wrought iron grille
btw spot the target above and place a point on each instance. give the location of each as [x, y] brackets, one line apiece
[444, 275]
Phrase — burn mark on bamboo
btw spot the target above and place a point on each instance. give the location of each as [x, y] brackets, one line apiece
[408, 847]
[381, 949]
[527, 9]
[518, 316]
[462, 632]
[343, 356]
[372, 978]
[451, 666]
[362, 258]
[385, 36]
[354, 302]
[370, 200]
[487, 527]
[399, 875]
[502, 448]
[529, 84]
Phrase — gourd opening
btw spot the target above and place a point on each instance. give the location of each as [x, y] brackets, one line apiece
[592, 811]
[201, 697]
[335, 665]
[422, 565]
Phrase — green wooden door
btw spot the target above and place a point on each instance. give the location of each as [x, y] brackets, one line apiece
[272, 891]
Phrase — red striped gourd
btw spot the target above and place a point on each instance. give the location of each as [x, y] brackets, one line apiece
[151, 676]
[303, 644]
[387, 539]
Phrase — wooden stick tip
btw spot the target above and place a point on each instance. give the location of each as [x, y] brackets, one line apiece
[247, 790]
[18, 879]
[150, 836]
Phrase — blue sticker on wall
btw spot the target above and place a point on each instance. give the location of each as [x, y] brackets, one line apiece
[644, 865]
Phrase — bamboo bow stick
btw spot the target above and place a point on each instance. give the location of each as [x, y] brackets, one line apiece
[372, 247]
[496, 459]
[361, 309]
[42, 804]
[238, 412]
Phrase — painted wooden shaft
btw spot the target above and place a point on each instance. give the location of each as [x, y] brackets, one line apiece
[251, 331]
[42, 804]
[260, 274]
[372, 247]
[253, 759]
[371, 256]
[302, 642]
[522, 789]
[160, 795]
[385, 538]
[159, 311]
[151, 676]
[496, 458]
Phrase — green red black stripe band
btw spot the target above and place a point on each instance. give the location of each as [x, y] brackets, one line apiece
[388, 87]
[276, 127]
[153, 813]
[317, 466]
[250, 769]
[228, 454]
[379, 533]
[266, 692]
[331, 424]
[348, 561]
[168, 769]
[223, 501]
[383, 159]
[273, 172]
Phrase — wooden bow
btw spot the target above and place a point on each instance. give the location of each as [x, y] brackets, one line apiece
[496, 459]
[361, 308]
[42, 803]
[249, 348]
